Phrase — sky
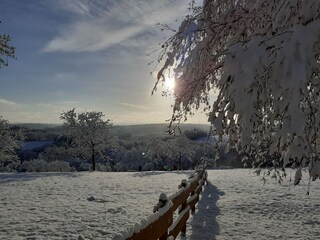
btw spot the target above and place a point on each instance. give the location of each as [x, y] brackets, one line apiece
[91, 55]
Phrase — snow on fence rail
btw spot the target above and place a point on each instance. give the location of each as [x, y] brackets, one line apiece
[161, 225]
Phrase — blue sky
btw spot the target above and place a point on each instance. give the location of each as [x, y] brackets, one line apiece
[87, 54]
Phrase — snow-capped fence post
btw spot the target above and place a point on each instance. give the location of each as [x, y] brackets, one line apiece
[182, 208]
[193, 209]
[163, 199]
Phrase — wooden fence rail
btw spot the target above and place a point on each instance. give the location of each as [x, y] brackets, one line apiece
[161, 225]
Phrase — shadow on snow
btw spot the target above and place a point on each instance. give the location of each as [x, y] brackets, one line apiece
[203, 224]
[153, 173]
[13, 177]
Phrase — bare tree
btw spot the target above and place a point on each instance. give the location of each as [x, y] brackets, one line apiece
[89, 133]
[262, 57]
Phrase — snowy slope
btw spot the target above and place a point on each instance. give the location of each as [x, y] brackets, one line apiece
[234, 205]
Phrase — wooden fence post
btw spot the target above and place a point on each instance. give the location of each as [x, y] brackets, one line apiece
[164, 236]
[193, 209]
[184, 229]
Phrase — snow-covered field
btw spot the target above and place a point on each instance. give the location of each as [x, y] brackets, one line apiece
[234, 205]
[60, 205]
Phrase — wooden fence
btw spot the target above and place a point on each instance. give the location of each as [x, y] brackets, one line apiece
[162, 225]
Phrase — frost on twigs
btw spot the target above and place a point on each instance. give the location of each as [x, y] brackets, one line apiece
[6, 50]
[262, 57]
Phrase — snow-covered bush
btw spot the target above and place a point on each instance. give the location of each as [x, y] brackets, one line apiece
[147, 167]
[99, 167]
[103, 168]
[120, 167]
[43, 166]
[7, 168]
[261, 61]
[85, 167]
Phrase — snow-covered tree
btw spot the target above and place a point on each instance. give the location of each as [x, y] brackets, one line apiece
[10, 139]
[262, 58]
[88, 132]
[157, 150]
[6, 50]
[180, 147]
[169, 150]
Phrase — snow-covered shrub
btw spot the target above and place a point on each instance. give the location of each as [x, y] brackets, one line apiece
[103, 168]
[35, 166]
[121, 167]
[59, 166]
[147, 167]
[40, 165]
[85, 167]
[6, 169]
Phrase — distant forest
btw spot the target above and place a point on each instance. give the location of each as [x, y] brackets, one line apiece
[135, 148]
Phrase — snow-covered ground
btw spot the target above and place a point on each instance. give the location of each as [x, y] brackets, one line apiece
[234, 205]
[64, 205]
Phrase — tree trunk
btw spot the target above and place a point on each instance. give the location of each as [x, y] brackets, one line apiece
[93, 158]
[154, 165]
[180, 156]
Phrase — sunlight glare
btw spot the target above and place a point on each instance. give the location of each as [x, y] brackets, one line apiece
[169, 83]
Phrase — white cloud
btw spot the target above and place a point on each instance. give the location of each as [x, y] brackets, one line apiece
[8, 106]
[90, 36]
[102, 26]
[4, 102]
[79, 7]
[135, 106]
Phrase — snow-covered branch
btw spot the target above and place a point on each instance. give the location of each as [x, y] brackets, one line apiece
[263, 58]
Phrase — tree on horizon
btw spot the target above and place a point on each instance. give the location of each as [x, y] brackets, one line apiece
[10, 140]
[88, 132]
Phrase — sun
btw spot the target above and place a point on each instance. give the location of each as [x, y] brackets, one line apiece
[169, 83]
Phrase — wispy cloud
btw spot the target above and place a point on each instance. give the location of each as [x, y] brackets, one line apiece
[4, 102]
[9, 106]
[135, 106]
[99, 26]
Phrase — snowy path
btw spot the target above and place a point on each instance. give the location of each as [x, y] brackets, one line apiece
[236, 205]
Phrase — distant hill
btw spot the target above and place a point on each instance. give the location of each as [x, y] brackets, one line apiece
[155, 129]
[36, 126]
[135, 130]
